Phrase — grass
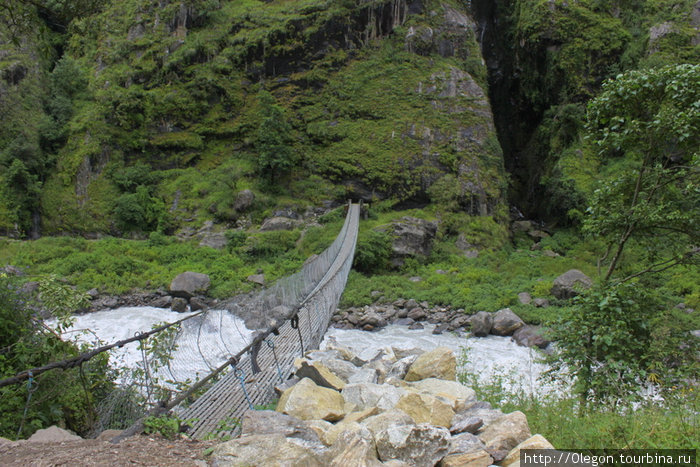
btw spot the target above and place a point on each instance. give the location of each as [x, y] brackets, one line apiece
[673, 424]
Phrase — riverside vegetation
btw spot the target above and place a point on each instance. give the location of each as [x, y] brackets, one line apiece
[132, 129]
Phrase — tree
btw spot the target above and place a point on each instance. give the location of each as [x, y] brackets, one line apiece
[65, 397]
[646, 125]
[275, 153]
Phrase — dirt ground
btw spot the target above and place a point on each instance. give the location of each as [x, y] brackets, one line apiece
[142, 450]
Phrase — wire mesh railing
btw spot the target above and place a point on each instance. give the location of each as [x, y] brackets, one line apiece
[208, 367]
[228, 369]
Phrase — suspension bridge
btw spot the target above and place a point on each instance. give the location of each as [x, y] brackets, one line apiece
[209, 369]
[307, 301]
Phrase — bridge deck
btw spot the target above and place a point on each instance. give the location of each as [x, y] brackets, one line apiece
[217, 411]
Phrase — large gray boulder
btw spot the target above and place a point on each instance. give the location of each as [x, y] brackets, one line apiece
[412, 237]
[367, 395]
[278, 223]
[244, 200]
[268, 422]
[481, 323]
[530, 336]
[417, 445]
[216, 240]
[505, 322]
[267, 449]
[569, 284]
[504, 433]
[189, 284]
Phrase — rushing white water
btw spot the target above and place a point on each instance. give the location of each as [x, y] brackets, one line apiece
[109, 326]
[493, 360]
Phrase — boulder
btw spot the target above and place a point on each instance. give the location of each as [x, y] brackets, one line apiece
[570, 283]
[197, 303]
[162, 302]
[417, 445]
[307, 401]
[53, 434]
[278, 223]
[530, 336]
[482, 410]
[256, 279]
[342, 368]
[244, 200]
[364, 375]
[424, 408]
[179, 304]
[505, 322]
[481, 324]
[320, 374]
[334, 431]
[411, 237]
[380, 422]
[524, 298]
[465, 443]
[216, 240]
[189, 283]
[541, 302]
[366, 395]
[465, 423]
[472, 459]
[535, 442]
[268, 449]
[400, 368]
[458, 395]
[417, 314]
[354, 448]
[504, 434]
[439, 363]
[268, 422]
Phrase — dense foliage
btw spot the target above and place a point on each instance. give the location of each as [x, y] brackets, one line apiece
[65, 398]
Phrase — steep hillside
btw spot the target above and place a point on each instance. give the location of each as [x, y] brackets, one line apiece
[163, 111]
[546, 60]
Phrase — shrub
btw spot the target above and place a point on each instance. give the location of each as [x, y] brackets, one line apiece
[372, 252]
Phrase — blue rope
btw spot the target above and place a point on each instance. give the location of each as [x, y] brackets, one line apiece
[271, 344]
[240, 374]
[31, 387]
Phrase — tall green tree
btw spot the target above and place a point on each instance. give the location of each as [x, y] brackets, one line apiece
[276, 156]
[646, 125]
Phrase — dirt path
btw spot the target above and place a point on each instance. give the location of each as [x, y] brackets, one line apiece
[138, 450]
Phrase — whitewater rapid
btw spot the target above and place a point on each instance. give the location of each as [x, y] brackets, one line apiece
[491, 360]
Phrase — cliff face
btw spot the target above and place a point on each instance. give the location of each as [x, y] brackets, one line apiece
[382, 99]
[546, 59]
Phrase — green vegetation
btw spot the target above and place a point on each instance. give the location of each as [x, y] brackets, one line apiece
[66, 398]
[166, 426]
[127, 119]
[565, 423]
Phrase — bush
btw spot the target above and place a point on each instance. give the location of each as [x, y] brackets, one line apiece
[372, 252]
[65, 398]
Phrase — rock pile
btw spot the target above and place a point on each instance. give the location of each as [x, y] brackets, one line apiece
[401, 408]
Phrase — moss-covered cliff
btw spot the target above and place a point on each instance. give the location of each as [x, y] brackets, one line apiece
[546, 60]
[167, 112]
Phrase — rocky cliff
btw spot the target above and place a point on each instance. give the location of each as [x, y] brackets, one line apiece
[169, 105]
